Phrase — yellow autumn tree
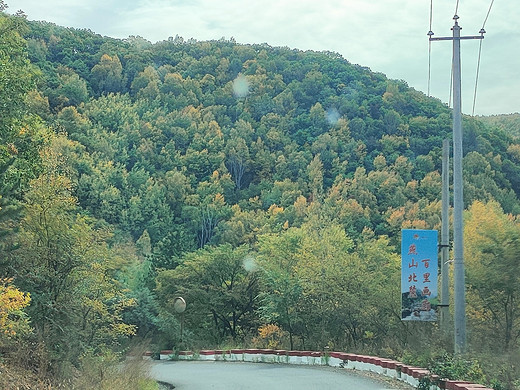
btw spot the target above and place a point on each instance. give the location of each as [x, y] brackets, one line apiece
[492, 247]
[65, 262]
[13, 321]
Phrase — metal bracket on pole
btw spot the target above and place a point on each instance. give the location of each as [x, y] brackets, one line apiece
[481, 32]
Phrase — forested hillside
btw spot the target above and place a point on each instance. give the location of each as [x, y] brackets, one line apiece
[266, 185]
[509, 123]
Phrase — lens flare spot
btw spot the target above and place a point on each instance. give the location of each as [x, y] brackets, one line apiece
[241, 86]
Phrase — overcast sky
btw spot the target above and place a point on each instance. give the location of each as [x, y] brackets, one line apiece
[388, 36]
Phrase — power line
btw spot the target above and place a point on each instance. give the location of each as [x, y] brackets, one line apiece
[451, 84]
[482, 32]
[429, 65]
[430, 33]
[487, 16]
[431, 14]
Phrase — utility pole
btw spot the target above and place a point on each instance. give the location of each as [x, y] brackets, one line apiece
[445, 237]
[458, 201]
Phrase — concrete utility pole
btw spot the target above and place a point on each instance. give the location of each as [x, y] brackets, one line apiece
[445, 236]
[458, 202]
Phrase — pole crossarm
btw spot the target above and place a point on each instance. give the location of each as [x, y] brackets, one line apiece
[458, 37]
[451, 38]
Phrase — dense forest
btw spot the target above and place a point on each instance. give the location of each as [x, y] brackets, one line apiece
[266, 185]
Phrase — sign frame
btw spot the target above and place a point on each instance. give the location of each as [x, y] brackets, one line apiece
[419, 275]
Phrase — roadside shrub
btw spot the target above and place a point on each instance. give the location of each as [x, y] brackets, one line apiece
[270, 336]
[457, 367]
[108, 372]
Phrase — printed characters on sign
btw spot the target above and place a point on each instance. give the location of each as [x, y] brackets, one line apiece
[419, 298]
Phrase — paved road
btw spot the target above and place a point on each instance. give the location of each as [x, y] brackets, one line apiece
[197, 375]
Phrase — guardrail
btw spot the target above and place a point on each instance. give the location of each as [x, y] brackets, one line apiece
[387, 367]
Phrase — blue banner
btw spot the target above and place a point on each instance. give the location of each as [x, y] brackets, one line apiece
[419, 267]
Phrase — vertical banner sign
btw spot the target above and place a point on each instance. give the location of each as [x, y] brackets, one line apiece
[419, 265]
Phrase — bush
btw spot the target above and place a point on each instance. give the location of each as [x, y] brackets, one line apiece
[14, 323]
[107, 372]
[270, 336]
[457, 367]
[503, 370]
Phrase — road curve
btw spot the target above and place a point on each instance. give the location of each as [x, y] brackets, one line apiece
[196, 375]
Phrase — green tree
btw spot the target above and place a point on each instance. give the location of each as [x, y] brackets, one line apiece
[208, 207]
[69, 270]
[315, 175]
[237, 159]
[281, 300]
[17, 76]
[315, 285]
[220, 285]
[72, 90]
[346, 308]
[21, 136]
[107, 75]
[146, 84]
[492, 245]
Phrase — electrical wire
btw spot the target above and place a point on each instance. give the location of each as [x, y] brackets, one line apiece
[451, 84]
[487, 16]
[476, 78]
[457, 8]
[429, 65]
[482, 32]
[430, 33]
[431, 14]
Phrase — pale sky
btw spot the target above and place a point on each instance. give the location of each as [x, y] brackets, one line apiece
[387, 36]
